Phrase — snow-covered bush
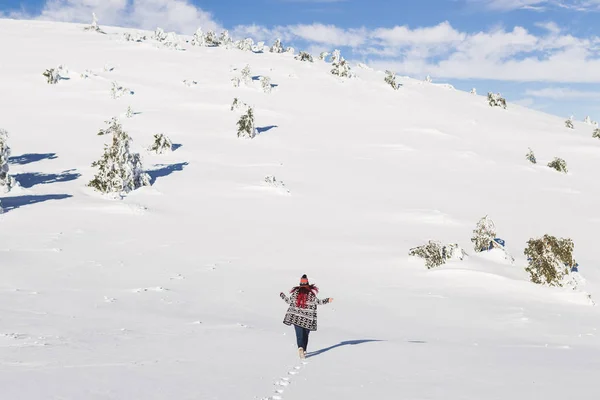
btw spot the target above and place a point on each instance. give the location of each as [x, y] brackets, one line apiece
[473, 91]
[114, 126]
[495, 100]
[558, 164]
[246, 124]
[435, 254]
[550, 260]
[483, 234]
[159, 35]
[235, 81]
[119, 170]
[340, 65]
[117, 90]
[323, 56]
[189, 83]
[129, 112]
[162, 144]
[272, 181]
[596, 133]
[225, 39]
[390, 79]
[428, 79]
[138, 37]
[53, 75]
[569, 123]
[198, 39]
[237, 104]
[259, 47]
[7, 182]
[211, 39]
[290, 50]
[277, 47]
[245, 45]
[265, 81]
[530, 156]
[246, 75]
[588, 120]
[94, 26]
[304, 56]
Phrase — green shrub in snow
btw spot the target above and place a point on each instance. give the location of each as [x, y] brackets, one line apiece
[246, 124]
[435, 254]
[483, 234]
[550, 260]
[495, 100]
[531, 157]
[558, 164]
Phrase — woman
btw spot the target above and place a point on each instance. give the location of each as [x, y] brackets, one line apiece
[302, 312]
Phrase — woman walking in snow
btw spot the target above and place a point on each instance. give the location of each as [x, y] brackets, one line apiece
[302, 312]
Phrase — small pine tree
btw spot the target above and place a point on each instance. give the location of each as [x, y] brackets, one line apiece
[473, 91]
[246, 75]
[390, 79]
[237, 104]
[483, 234]
[596, 133]
[277, 47]
[198, 39]
[7, 182]
[588, 120]
[558, 164]
[119, 170]
[531, 157]
[435, 254]
[495, 100]
[129, 112]
[210, 39]
[117, 90]
[340, 65]
[550, 260]
[162, 144]
[266, 84]
[53, 75]
[323, 56]
[114, 126]
[224, 39]
[94, 26]
[304, 56]
[246, 124]
[569, 123]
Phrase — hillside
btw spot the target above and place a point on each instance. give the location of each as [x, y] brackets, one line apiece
[173, 291]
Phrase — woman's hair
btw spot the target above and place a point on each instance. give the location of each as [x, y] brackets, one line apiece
[303, 292]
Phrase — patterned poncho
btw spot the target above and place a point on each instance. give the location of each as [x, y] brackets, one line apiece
[305, 317]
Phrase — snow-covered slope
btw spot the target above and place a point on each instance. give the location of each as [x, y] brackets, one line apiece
[173, 292]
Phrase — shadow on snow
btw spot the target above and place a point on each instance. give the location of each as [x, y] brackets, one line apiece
[11, 203]
[262, 129]
[31, 158]
[165, 170]
[30, 179]
[176, 146]
[344, 343]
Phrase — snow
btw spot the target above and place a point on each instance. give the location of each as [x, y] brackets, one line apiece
[173, 292]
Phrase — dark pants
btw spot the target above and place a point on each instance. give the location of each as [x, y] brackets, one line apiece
[302, 336]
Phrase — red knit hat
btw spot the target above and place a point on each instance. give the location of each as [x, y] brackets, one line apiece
[304, 280]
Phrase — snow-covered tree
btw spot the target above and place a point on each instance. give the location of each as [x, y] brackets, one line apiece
[53, 75]
[304, 56]
[390, 79]
[94, 26]
[189, 83]
[495, 100]
[277, 47]
[473, 91]
[259, 47]
[137, 37]
[211, 39]
[435, 254]
[588, 120]
[159, 35]
[119, 170]
[550, 260]
[7, 182]
[162, 144]
[114, 126]
[340, 65]
[596, 133]
[290, 50]
[246, 76]
[235, 81]
[129, 112]
[428, 79]
[558, 164]
[245, 45]
[246, 124]
[569, 123]
[237, 104]
[265, 81]
[172, 41]
[484, 234]
[531, 157]
[272, 181]
[117, 90]
[323, 56]
[224, 39]
[198, 39]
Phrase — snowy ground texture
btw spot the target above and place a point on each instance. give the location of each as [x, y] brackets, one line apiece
[173, 292]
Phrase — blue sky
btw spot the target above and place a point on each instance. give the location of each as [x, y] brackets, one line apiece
[541, 53]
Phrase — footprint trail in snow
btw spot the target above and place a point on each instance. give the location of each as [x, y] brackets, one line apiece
[282, 384]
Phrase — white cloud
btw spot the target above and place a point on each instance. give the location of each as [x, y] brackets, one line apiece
[562, 93]
[540, 5]
[172, 15]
